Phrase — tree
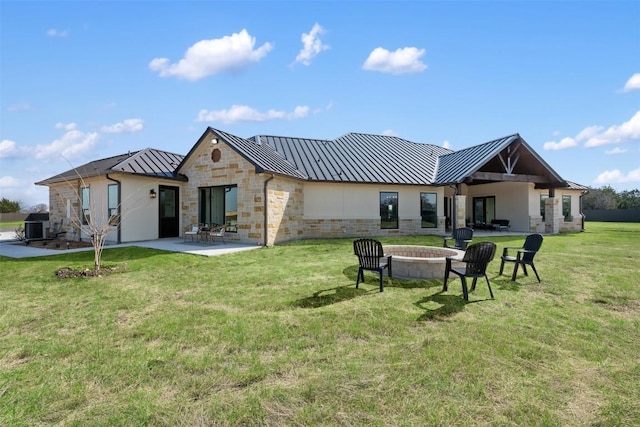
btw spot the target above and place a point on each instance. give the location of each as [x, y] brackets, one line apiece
[90, 220]
[9, 206]
[629, 199]
[603, 198]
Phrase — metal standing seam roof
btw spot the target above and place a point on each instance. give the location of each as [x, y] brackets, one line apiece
[149, 162]
[456, 166]
[357, 157]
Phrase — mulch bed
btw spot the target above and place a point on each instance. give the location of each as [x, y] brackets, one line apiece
[55, 244]
[67, 272]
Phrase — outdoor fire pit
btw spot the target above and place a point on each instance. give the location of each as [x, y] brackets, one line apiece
[419, 262]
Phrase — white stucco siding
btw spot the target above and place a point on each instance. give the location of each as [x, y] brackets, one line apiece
[513, 202]
[139, 211]
[362, 201]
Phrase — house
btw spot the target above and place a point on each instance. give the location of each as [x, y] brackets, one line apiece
[271, 189]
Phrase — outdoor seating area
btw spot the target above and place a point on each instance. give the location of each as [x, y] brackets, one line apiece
[470, 261]
[202, 233]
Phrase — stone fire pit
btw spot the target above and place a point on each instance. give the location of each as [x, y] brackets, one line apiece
[419, 262]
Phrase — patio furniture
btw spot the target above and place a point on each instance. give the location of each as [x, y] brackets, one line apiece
[524, 255]
[371, 257]
[500, 224]
[476, 258]
[461, 237]
[217, 232]
[193, 231]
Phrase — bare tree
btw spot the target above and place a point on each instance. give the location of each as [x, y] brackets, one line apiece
[89, 218]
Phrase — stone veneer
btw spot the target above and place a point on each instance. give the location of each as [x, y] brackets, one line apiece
[284, 196]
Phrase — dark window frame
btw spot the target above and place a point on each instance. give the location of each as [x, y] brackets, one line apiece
[427, 215]
[389, 215]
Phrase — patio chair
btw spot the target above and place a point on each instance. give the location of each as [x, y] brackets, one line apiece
[461, 237]
[217, 232]
[476, 258]
[524, 255]
[193, 231]
[371, 257]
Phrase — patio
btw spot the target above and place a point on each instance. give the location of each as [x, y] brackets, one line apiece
[9, 248]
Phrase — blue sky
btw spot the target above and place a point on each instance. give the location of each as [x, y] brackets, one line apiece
[87, 80]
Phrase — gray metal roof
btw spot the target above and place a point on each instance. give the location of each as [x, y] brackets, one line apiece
[147, 162]
[357, 157]
[456, 166]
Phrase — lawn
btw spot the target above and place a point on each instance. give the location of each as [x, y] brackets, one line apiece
[280, 336]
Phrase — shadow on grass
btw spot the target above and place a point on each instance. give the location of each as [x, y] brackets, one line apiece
[372, 278]
[439, 306]
[330, 296]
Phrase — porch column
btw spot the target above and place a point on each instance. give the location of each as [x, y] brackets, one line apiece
[552, 215]
[461, 211]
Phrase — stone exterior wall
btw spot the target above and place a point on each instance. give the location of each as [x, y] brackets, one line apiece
[330, 228]
[284, 209]
[58, 210]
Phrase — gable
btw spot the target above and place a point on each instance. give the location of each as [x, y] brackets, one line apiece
[508, 159]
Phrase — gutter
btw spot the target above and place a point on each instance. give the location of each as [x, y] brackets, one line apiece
[119, 233]
[266, 213]
[454, 220]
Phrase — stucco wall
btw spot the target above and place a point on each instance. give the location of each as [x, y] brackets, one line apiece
[337, 209]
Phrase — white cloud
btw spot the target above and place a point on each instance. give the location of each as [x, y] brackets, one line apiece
[126, 126]
[9, 149]
[23, 106]
[617, 177]
[402, 61]
[244, 113]
[312, 45]
[616, 150]
[633, 83]
[389, 132]
[57, 33]
[210, 57]
[10, 182]
[446, 144]
[72, 145]
[627, 131]
[561, 145]
[595, 136]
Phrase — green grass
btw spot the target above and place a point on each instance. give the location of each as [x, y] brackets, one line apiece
[280, 336]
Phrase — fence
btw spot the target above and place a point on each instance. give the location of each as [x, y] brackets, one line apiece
[12, 217]
[612, 215]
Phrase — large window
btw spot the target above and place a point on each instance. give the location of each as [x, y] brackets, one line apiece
[112, 204]
[543, 197]
[566, 208]
[86, 203]
[219, 206]
[388, 210]
[429, 210]
[484, 210]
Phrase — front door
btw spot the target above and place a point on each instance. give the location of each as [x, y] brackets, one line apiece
[169, 221]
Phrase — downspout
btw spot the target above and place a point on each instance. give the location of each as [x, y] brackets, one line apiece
[584, 193]
[119, 206]
[454, 220]
[266, 213]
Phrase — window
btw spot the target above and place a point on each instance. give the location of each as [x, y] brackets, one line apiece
[543, 197]
[566, 208]
[429, 210]
[484, 210]
[219, 205]
[86, 210]
[112, 204]
[388, 210]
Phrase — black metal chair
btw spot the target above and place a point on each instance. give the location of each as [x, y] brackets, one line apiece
[461, 237]
[524, 255]
[476, 258]
[371, 257]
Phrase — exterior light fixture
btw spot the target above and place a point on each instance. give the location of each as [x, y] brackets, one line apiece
[152, 193]
[214, 140]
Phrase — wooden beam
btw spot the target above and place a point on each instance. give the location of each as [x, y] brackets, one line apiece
[494, 176]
